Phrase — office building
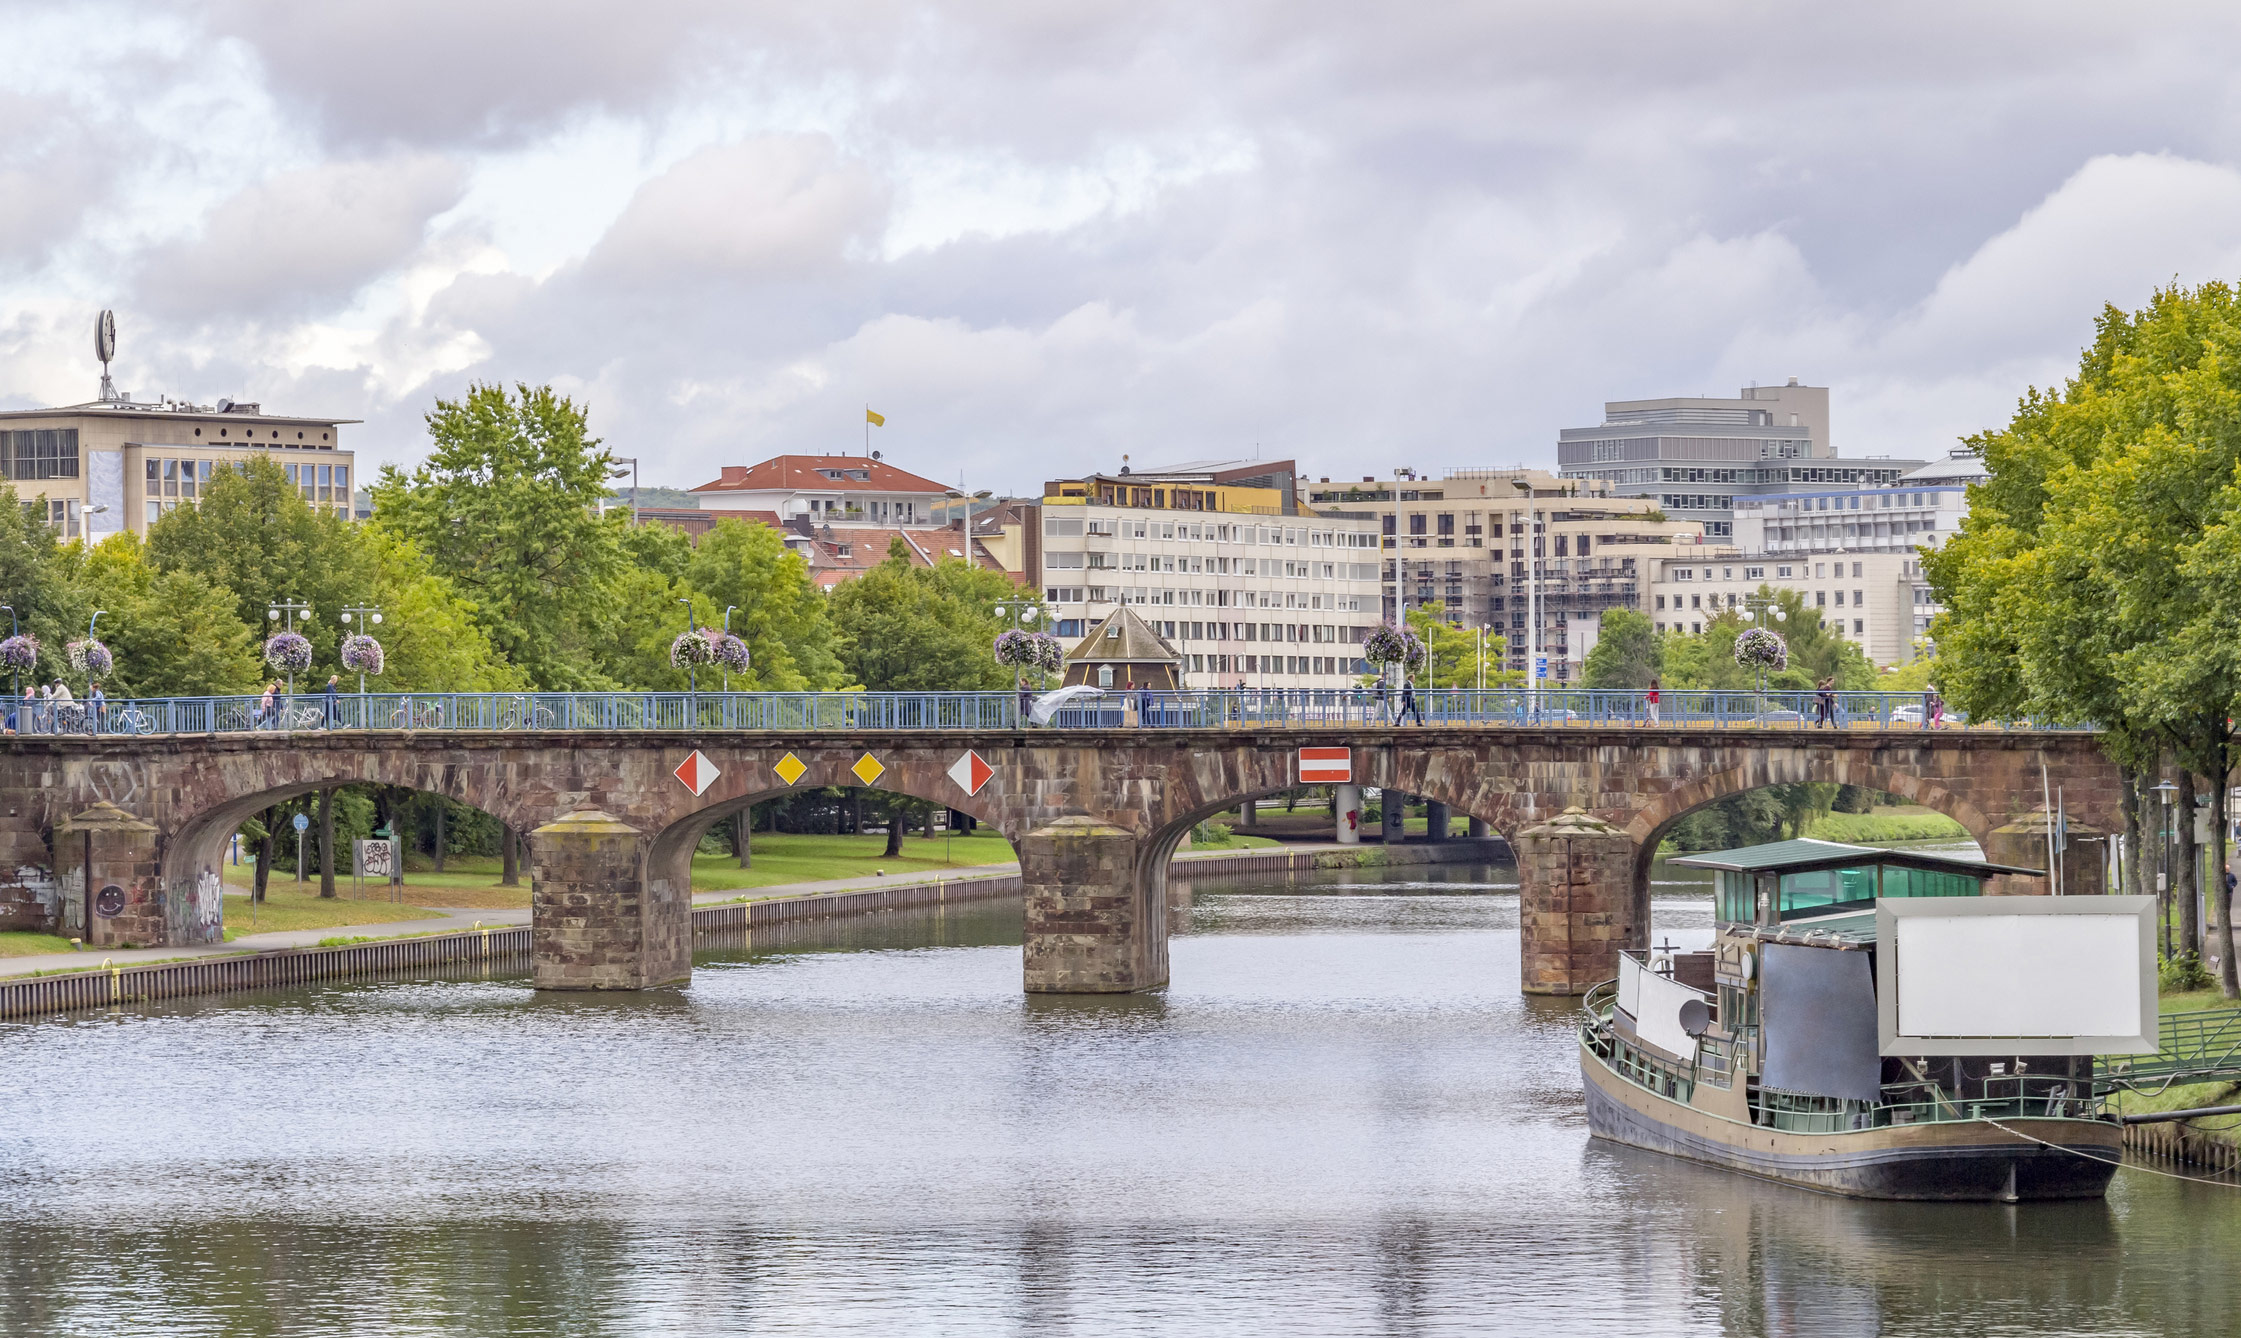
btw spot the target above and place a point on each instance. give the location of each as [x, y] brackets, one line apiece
[1695, 457]
[1220, 559]
[1462, 541]
[1867, 598]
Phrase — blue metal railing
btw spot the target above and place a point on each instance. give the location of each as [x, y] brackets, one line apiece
[1229, 708]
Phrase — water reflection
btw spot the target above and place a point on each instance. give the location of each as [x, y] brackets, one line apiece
[1342, 1119]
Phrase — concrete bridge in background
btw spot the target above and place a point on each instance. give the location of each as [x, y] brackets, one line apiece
[611, 820]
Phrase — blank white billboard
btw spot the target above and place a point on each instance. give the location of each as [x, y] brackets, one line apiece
[2013, 975]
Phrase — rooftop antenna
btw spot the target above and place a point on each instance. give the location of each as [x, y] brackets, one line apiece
[105, 348]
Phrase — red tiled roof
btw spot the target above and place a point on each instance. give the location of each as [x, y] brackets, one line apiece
[800, 471]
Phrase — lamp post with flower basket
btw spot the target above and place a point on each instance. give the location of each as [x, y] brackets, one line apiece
[359, 649]
[1387, 645]
[1762, 649]
[18, 652]
[92, 659]
[288, 650]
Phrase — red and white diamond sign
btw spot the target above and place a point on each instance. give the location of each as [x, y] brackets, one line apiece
[697, 772]
[971, 772]
[1326, 766]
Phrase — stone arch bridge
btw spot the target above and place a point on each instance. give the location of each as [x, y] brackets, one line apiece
[1094, 814]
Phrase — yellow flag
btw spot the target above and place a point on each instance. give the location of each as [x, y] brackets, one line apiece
[875, 419]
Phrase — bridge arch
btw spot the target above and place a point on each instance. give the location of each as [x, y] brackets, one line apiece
[1649, 824]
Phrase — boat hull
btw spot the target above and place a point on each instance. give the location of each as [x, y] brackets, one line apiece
[1958, 1161]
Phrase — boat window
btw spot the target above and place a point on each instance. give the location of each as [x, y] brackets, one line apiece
[1898, 882]
[1738, 904]
[1820, 890]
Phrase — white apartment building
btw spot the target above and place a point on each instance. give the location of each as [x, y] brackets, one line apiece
[1922, 510]
[1270, 601]
[1867, 598]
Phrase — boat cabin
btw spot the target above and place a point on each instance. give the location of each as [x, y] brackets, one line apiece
[1807, 879]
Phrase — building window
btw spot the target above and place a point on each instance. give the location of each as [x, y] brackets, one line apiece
[1859, 627]
[39, 453]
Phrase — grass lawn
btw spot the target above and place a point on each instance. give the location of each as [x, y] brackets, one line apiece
[782, 858]
[288, 909]
[19, 944]
[468, 881]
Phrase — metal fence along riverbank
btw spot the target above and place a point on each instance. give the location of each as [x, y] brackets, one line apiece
[1213, 708]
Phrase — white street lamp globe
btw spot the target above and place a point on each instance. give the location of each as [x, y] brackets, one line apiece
[1030, 614]
[273, 614]
[377, 620]
[346, 616]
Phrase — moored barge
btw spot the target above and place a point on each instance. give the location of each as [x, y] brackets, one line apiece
[1867, 1023]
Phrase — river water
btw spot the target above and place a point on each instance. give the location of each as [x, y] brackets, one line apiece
[1342, 1118]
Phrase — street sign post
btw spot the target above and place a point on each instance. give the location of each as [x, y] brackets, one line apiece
[303, 824]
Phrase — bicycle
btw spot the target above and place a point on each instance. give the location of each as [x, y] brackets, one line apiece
[132, 720]
[418, 715]
[520, 713]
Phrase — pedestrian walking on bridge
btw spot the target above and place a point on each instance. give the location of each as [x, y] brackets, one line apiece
[1407, 707]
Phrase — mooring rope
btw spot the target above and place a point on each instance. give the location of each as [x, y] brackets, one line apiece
[2119, 1163]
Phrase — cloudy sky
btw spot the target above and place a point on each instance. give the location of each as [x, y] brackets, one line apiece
[1039, 235]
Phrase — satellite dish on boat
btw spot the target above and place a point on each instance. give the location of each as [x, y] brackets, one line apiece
[1696, 1017]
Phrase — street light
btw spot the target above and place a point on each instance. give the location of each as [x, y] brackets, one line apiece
[367, 615]
[632, 461]
[2164, 892]
[1532, 598]
[728, 609]
[291, 609]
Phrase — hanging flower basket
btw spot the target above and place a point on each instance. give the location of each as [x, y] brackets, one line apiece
[361, 653]
[20, 652]
[1050, 653]
[288, 652]
[1017, 650]
[90, 657]
[1387, 644]
[1759, 648]
[694, 649]
[731, 653]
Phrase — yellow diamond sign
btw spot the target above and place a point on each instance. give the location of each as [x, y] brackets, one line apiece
[867, 769]
[790, 768]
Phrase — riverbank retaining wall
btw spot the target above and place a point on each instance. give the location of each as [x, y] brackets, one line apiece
[100, 987]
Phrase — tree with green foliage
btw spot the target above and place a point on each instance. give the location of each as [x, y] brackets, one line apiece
[1707, 660]
[1626, 654]
[506, 507]
[908, 628]
[791, 643]
[253, 535]
[1456, 655]
[173, 633]
[2094, 577]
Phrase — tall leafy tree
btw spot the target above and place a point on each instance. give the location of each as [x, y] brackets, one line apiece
[1455, 654]
[791, 643]
[506, 508]
[2091, 579]
[254, 536]
[1625, 655]
[173, 633]
[906, 628]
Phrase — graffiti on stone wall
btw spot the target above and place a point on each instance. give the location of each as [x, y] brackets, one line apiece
[208, 909]
[70, 888]
[121, 783]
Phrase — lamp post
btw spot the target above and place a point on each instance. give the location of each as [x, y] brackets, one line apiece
[368, 615]
[632, 461]
[728, 610]
[692, 670]
[15, 629]
[285, 612]
[2163, 880]
[1023, 612]
[1532, 598]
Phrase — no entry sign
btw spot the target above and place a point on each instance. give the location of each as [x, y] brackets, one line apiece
[1326, 766]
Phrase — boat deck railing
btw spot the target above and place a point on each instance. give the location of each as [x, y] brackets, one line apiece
[2000, 1096]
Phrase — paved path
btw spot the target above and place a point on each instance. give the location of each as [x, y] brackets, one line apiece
[444, 920]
